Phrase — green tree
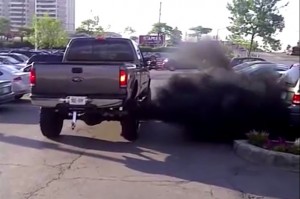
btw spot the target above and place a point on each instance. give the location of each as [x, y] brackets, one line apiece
[198, 31]
[257, 18]
[4, 27]
[48, 33]
[239, 40]
[161, 28]
[129, 30]
[175, 37]
[24, 32]
[90, 27]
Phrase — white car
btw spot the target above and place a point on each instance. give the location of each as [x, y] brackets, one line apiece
[20, 80]
[6, 60]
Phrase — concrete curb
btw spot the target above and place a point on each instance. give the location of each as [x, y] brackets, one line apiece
[272, 158]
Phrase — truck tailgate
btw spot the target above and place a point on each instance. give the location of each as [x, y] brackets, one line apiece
[77, 79]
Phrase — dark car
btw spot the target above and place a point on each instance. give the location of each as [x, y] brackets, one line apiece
[6, 94]
[239, 60]
[256, 64]
[290, 77]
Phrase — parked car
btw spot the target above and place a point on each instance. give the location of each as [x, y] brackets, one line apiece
[20, 80]
[239, 60]
[6, 93]
[292, 95]
[6, 60]
[19, 57]
[99, 79]
[251, 66]
[290, 77]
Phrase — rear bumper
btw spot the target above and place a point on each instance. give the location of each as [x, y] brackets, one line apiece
[57, 102]
[6, 98]
[294, 115]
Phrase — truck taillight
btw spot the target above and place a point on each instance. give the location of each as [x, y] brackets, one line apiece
[123, 78]
[32, 76]
[296, 98]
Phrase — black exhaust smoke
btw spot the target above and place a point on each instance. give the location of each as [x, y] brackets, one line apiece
[217, 102]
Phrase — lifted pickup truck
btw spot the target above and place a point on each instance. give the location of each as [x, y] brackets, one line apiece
[98, 79]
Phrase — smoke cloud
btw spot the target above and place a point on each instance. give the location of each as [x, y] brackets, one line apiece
[217, 102]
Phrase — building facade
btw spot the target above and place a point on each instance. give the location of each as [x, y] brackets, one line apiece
[21, 12]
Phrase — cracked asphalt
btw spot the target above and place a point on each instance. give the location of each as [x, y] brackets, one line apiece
[95, 162]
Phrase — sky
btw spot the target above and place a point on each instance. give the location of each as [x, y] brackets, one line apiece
[141, 14]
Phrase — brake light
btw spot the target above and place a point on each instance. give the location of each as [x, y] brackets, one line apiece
[17, 79]
[296, 98]
[32, 76]
[123, 78]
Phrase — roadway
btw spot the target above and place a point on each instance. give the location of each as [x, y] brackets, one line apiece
[95, 162]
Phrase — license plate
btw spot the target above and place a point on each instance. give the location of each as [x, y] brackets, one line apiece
[283, 95]
[77, 100]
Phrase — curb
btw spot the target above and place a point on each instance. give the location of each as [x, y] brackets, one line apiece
[272, 158]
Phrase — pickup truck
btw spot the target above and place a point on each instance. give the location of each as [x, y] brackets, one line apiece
[98, 79]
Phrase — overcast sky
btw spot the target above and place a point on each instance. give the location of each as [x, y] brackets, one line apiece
[141, 14]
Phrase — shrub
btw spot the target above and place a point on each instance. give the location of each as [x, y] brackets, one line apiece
[257, 138]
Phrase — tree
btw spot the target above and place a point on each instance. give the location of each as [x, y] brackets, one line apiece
[129, 30]
[239, 40]
[199, 31]
[134, 38]
[24, 32]
[90, 27]
[175, 37]
[288, 47]
[257, 18]
[161, 28]
[4, 27]
[48, 33]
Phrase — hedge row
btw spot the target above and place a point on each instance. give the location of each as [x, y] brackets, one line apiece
[15, 44]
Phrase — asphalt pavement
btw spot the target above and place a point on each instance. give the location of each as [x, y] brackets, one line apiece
[95, 162]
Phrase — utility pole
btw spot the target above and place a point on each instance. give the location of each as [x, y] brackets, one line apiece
[159, 21]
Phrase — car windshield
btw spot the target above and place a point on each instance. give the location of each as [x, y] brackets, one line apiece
[241, 66]
[100, 50]
[11, 60]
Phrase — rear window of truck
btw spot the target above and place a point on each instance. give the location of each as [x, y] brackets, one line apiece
[100, 50]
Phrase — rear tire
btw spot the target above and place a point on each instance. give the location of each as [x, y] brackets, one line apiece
[51, 123]
[130, 126]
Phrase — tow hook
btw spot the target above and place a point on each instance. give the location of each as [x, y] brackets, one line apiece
[74, 119]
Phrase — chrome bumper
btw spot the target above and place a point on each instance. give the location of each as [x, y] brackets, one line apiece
[54, 102]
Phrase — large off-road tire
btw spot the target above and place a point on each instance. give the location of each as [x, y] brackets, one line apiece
[51, 123]
[130, 127]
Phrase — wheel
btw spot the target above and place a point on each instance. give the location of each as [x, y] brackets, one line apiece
[130, 126]
[51, 123]
[17, 97]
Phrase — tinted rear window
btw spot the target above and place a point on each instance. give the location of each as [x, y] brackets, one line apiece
[100, 50]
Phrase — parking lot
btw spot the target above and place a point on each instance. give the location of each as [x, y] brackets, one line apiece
[95, 162]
